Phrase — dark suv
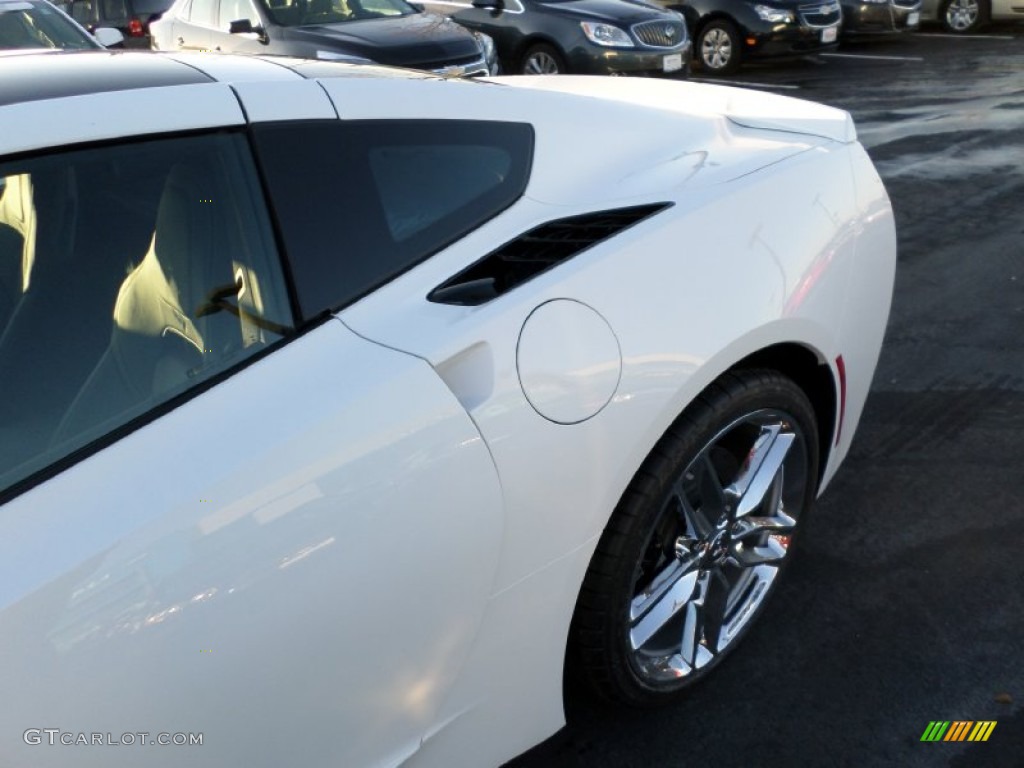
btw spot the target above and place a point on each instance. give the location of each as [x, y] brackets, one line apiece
[131, 17]
[725, 32]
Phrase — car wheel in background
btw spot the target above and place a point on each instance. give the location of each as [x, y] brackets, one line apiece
[718, 47]
[697, 542]
[542, 59]
[961, 16]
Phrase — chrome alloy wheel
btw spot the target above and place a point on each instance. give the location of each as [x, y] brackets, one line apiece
[716, 547]
[541, 63]
[962, 15]
[716, 49]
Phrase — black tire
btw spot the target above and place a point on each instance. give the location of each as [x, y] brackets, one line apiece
[542, 59]
[962, 17]
[696, 544]
[719, 48]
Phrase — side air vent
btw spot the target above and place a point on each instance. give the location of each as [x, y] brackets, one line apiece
[535, 252]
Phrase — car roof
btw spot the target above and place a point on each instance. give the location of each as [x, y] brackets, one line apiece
[40, 75]
[45, 75]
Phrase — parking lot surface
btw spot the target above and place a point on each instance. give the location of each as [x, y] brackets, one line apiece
[905, 604]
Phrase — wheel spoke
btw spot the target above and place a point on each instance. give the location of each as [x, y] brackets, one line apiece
[748, 592]
[769, 552]
[693, 625]
[716, 599]
[751, 527]
[704, 619]
[761, 473]
[666, 579]
[649, 612]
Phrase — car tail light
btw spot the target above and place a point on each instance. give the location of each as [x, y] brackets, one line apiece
[135, 28]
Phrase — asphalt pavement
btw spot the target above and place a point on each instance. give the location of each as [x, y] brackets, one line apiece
[905, 602]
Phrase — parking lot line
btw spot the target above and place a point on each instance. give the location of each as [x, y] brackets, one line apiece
[967, 37]
[745, 84]
[871, 56]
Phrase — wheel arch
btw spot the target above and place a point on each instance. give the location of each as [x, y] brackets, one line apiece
[536, 38]
[698, 27]
[814, 376]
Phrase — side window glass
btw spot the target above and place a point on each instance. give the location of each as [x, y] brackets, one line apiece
[235, 10]
[398, 191]
[420, 185]
[203, 12]
[128, 276]
[287, 13]
[83, 11]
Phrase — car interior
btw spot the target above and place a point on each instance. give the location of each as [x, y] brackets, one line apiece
[153, 255]
[18, 31]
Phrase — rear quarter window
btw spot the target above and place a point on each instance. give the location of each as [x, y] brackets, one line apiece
[360, 202]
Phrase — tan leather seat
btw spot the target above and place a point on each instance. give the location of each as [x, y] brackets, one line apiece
[157, 343]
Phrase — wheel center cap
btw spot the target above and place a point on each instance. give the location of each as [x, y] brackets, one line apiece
[719, 546]
[713, 549]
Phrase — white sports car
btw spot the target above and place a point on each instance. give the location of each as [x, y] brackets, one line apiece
[337, 404]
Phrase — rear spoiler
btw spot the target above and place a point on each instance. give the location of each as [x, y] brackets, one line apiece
[741, 106]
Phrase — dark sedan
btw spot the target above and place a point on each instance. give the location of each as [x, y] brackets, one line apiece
[599, 37]
[880, 17]
[725, 32]
[382, 31]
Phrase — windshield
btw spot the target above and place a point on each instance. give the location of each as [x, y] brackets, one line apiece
[301, 13]
[39, 25]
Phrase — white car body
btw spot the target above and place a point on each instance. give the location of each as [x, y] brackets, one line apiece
[426, 527]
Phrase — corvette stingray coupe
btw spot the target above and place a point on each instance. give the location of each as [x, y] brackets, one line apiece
[342, 405]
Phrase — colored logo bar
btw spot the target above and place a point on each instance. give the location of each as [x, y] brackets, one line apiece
[958, 730]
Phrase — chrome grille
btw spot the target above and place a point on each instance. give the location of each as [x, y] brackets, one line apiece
[660, 34]
[820, 14]
[474, 67]
[911, 4]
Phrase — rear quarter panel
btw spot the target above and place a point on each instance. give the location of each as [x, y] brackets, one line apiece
[732, 268]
